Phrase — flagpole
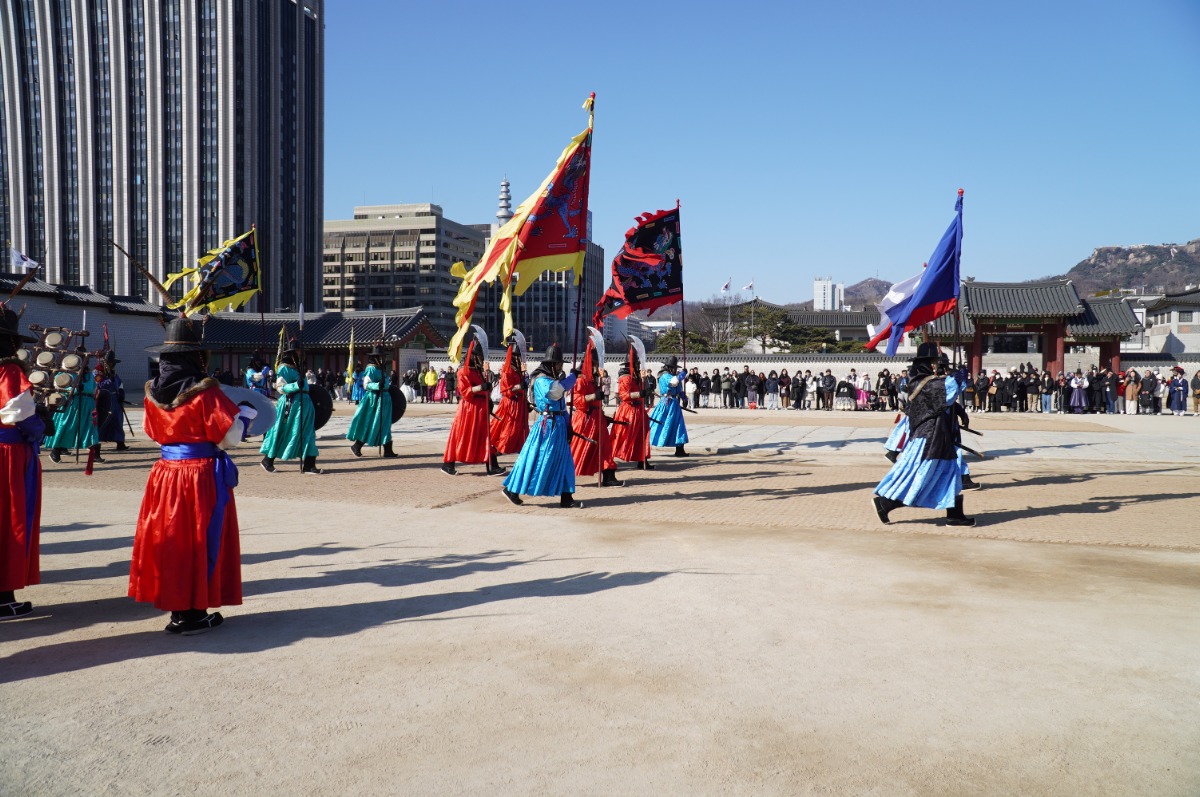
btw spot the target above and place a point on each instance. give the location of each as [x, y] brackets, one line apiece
[682, 302]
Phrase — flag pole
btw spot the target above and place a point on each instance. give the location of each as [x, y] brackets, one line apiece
[682, 304]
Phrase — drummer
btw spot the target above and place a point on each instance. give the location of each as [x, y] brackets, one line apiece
[75, 423]
[294, 434]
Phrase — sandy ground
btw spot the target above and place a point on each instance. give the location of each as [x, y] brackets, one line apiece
[732, 623]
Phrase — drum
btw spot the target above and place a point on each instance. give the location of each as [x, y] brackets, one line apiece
[39, 379]
[63, 381]
[46, 359]
[399, 403]
[322, 403]
[72, 362]
[55, 400]
[54, 340]
[24, 355]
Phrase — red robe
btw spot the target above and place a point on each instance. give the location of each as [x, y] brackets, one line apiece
[468, 441]
[18, 537]
[170, 555]
[510, 427]
[588, 421]
[631, 441]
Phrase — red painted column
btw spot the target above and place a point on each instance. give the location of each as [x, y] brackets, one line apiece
[977, 351]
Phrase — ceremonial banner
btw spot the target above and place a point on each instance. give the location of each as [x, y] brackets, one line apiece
[279, 349]
[350, 361]
[936, 292]
[227, 275]
[648, 271]
[548, 231]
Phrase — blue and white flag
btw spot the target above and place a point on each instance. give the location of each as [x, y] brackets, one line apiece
[19, 261]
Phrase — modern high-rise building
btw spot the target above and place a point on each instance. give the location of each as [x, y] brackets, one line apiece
[399, 256]
[166, 126]
[827, 294]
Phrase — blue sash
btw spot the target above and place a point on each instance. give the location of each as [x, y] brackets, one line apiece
[225, 477]
[33, 485]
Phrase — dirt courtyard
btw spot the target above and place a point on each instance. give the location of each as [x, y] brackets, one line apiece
[737, 622]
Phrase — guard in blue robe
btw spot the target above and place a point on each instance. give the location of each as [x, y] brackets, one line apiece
[544, 466]
[294, 434]
[356, 386]
[372, 422]
[929, 471]
[112, 429]
[666, 419]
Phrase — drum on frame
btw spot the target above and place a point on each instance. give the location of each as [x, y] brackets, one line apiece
[63, 380]
[54, 340]
[39, 379]
[24, 355]
[46, 359]
[55, 400]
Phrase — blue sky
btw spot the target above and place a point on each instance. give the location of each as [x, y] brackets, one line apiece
[802, 139]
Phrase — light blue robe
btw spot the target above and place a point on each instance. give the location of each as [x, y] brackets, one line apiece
[928, 483]
[74, 427]
[667, 428]
[544, 466]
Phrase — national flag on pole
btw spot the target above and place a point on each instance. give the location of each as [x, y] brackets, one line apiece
[895, 295]
[548, 232]
[228, 274]
[648, 271]
[725, 287]
[19, 261]
[936, 292]
[749, 287]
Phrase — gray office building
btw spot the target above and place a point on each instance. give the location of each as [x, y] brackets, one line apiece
[166, 126]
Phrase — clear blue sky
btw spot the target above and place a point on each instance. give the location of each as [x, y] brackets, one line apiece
[801, 138]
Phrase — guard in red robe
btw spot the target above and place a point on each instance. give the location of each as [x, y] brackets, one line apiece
[631, 423]
[470, 440]
[186, 552]
[21, 432]
[591, 445]
[510, 424]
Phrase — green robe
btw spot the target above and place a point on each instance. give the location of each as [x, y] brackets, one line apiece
[74, 426]
[293, 436]
[372, 423]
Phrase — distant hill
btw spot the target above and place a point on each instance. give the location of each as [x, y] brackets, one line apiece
[1158, 268]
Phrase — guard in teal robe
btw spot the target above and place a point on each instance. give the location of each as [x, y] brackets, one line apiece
[75, 426]
[544, 466]
[372, 423]
[294, 434]
[666, 419]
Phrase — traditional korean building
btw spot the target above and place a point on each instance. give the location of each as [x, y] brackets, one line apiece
[1043, 320]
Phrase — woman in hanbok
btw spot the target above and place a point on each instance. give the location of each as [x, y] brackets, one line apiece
[21, 430]
[929, 472]
[372, 422]
[545, 467]
[667, 428]
[1177, 391]
[186, 553]
[510, 423]
[1079, 392]
[440, 396]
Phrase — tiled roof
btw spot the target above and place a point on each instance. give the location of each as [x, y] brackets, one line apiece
[835, 319]
[1103, 318]
[78, 295]
[1186, 298]
[944, 326]
[1053, 298]
[320, 329]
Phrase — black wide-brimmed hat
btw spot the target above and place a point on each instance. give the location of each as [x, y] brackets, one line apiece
[10, 324]
[110, 357]
[554, 354]
[926, 351]
[672, 363]
[181, 335]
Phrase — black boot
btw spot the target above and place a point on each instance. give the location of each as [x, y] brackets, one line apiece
[645, 465]
[610, 479]
[679, 452]
[955, 516]
[511, 496]
[883, 506]
[356, 449]
[268, 464]
[95, 452]
[567, 501]
[892, 456]
[10, 607]
[448, 468]
[970, 484]
[309, 465]
[122, 447]
[494, 468]
[388, 453]
[56, 455]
